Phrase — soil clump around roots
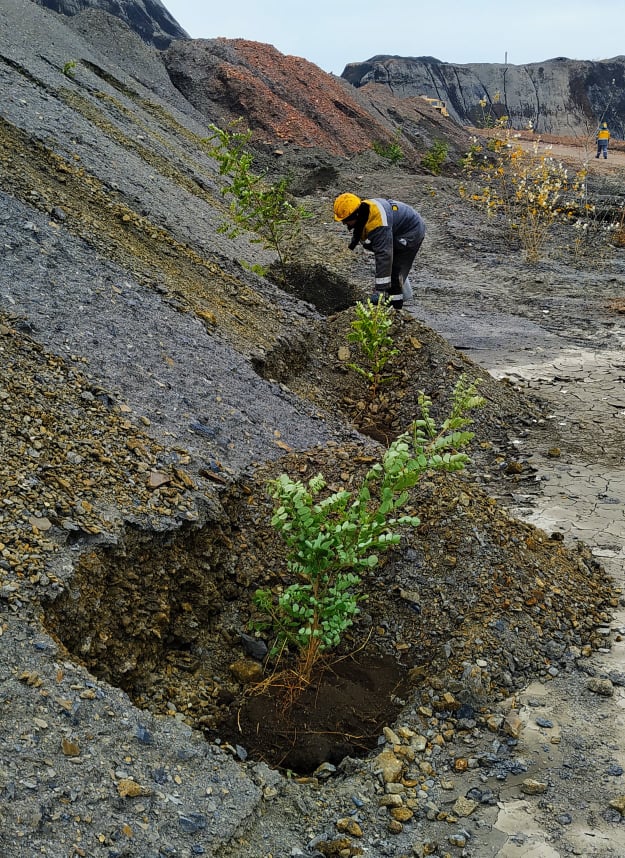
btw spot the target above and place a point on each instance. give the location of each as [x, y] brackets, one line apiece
[339, 714]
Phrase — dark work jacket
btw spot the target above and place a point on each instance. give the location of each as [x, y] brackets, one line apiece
[390, 228]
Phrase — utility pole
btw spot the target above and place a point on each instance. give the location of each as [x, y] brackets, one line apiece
[505, 94]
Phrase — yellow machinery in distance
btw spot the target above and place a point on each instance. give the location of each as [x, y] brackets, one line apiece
[437, 104]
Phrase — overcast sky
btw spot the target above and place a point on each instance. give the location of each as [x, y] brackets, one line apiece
[332, 34]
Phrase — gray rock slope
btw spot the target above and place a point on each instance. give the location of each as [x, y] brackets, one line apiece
[559, 96]
[111, 257]
[148, 18]
[152, 163]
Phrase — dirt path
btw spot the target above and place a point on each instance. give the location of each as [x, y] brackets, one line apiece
[582, 498]
[578, 151]
[572, 359]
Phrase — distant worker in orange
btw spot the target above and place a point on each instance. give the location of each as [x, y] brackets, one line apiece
[393, 232]
[603, 136]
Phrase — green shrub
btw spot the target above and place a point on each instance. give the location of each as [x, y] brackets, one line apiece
[370, 330]
[392, 151]
[332, 541]
[435, 157]
[257, 205]
[69, 69]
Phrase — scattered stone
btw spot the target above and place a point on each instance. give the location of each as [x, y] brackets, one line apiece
[389, 766]
[602, 687]
[70, 748]
[256, 648]
[143, 735]
[402, 814]
[464, 806]
[349, 826]
[325, 771]
[418, 743]
[191, 823]
[41, 524]
[157, 479]
[246, 671]
[618, 803]
[128, 788]
[512, 725]
[615, 770]
[406, 733]
[533, 787]
[391, 736]
[390, 800]
[494, 722]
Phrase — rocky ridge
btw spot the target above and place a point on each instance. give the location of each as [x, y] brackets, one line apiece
[559, 96]
[289, 102]
[149, 19]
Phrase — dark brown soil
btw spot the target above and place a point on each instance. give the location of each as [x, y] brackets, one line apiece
[340, 714]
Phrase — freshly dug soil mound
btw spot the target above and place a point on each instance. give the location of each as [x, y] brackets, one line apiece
[425, 363]
[470, 606]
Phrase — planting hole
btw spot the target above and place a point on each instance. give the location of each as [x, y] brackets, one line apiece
[324, 289]
[160, 614]
[339, 715]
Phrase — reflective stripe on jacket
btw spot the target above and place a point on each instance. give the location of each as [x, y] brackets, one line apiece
[391, 225]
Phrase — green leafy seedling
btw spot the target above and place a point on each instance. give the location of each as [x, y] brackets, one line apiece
[333, 540]
[370, 330]
[435, 157]
[69, 69]
[257, 205]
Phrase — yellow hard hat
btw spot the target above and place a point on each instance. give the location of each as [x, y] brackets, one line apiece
[345, 205]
